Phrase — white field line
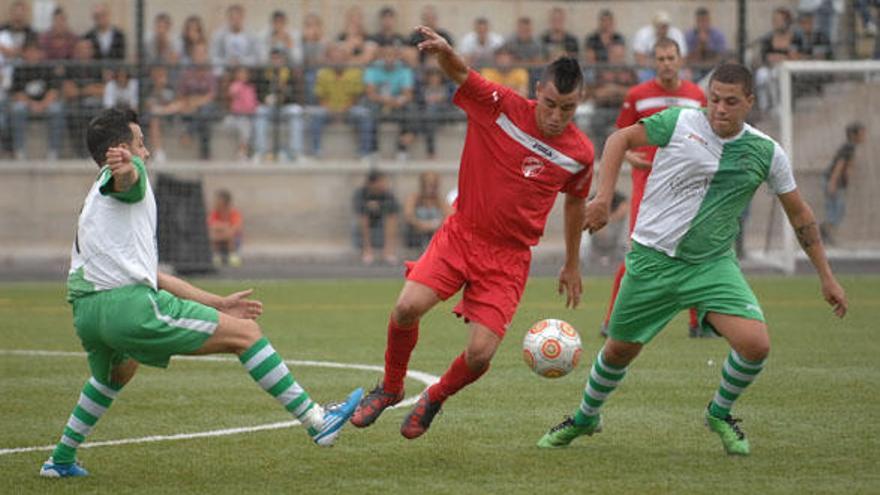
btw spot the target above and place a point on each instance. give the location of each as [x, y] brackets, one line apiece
[426, 378]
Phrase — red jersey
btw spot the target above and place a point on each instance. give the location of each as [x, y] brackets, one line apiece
[511, 173]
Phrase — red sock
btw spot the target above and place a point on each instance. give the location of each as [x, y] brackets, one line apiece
[401, 341]
[458, 376]
[693, 313]
[621, 270]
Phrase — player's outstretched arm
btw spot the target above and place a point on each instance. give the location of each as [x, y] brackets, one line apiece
[450, 62]
[236, 304]
[801, 218]
[612, 157]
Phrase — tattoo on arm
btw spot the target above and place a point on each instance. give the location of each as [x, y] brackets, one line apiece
[807, 235]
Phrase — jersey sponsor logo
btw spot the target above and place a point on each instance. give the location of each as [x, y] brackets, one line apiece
[698, 138]
[666, 102]
[689, 187]
[532, 166]
[533, 144]
[495, 96]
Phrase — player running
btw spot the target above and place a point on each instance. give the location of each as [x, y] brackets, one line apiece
[126, 312]
[706, 172]
[518, 155]
[643, 100]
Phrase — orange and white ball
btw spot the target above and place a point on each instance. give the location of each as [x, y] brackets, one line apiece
[552, 348]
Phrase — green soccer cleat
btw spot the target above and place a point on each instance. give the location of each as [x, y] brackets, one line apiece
[562, 434]
[733, 439]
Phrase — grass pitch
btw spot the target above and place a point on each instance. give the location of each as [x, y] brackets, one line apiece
[811, 416]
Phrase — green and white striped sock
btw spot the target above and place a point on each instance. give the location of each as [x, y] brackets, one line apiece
[269, 371]
[736, 374]
[603, 379]
[94, 401]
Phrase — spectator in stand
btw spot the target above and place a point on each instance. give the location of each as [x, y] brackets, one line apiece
[827, 13]
[424, 211]
[557, 41]
[706, 45]
[58, 41]
[313, 41]
[776, 46]
[387, 34]
[339, 89]
[35, 92]
[162, 103]
[107, 40]
[836, 179]
[359, 50]
[611, 85]
[121, 91]
[192, 34]
[810, 43]
[430, 19]
[376, 210]
[390, 86]
[478, 46]
[436, 101]
[280, 92]
[232, 45]
[159, 46]
[523, 45]
[225, 228]
[17, 31]
[598, 43]
[280, 36]
[196, 92]
[504, 73]
[82, 90]
[242, 106]
[647, 36]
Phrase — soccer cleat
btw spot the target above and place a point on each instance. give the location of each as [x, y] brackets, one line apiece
[419, 419]
[52, 470]
[562, 434]
[335, 417]
[372, 406]
[732, 438]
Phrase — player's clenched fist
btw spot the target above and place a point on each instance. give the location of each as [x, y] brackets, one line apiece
[596, 215]
[122, 168]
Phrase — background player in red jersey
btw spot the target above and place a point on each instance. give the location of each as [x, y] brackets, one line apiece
[664, 91]
[518, 155]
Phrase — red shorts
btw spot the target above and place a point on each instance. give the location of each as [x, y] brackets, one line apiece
[493, 275]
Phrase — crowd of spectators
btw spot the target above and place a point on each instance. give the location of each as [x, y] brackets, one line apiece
[278, 88]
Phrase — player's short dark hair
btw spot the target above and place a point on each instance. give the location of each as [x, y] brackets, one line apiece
[565, 73]
[854, 128]
[108, 129]
[666, 43]
[225, 196]
[734, 73]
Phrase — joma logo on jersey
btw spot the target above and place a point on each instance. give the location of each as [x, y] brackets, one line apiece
[543, 150]
[532, 166]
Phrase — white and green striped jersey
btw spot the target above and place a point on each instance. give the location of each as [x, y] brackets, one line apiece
[115, 242]
[700, 183]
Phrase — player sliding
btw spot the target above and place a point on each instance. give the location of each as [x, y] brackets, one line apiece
[705, 173]
[126, 312]
[518, 155]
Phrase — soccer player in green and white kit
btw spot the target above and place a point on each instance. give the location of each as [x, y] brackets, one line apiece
[705, 173]
[126, 312]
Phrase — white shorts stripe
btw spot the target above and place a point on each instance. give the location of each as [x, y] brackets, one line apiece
[259, 357]
[66, 440]
[78, 426]
[91, 407]
[736, 374]
[743, 364]
[104, 389]
[601, 380]
[202, 326]
[274, 376]
[542, 149]
[721, 401]
[290, 394]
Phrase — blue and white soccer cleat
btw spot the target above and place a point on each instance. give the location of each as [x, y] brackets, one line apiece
[52, 470]
[335, 417]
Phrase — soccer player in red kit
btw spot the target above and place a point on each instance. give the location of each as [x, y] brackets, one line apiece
[643, 100]
[518, 155]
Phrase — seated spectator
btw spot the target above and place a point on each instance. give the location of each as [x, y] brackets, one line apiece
[279, 36]
[776, 46]
[232, 45]
[647, 36]
[192, 34]
[35, 92]
[160, 47]
[706, 45]
[478, 46]
[523, 45]
[339, 89]
[17, 31]
[376, 210]
[390, 86]
[242, 107]
[557, 41]
[609, 92]
[162, 103]
[313, 41]
[83, 91]
[436, 102]
[280, 93]
[598, 43]
[424, 211]
[58, 42]
[811, 43]
[107, 40]
[225, 228]
[387, 34]
[359, 50]
[196, 92]
[121, 91]
[429, 19]
[503, 72]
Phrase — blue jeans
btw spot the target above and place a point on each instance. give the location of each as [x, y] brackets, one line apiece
[359, 116]
[199, 124]
[835, 207]
[20, 115]
[293, 115]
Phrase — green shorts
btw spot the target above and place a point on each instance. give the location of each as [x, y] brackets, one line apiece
[657, 287]
[140, 323]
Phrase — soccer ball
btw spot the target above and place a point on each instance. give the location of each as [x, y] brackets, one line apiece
[552, 348]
